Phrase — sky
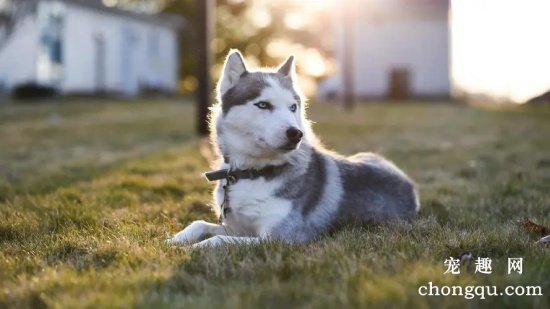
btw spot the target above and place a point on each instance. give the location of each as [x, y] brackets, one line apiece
[501, 48]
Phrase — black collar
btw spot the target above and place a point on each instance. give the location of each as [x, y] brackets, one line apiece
[269, 171]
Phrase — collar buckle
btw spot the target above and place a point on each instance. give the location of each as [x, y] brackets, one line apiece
[230, 177]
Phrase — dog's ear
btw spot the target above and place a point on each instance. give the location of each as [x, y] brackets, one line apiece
[233, 68]
[288, 68]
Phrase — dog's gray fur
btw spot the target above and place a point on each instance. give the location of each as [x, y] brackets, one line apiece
[374, 190]
[250, 86]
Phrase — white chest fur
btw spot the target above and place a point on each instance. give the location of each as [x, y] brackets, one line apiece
[254, 209]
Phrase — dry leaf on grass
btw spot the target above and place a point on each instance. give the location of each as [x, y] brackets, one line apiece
[544, 240]
[534, 228]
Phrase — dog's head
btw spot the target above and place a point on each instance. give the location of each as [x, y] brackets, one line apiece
[260, 114]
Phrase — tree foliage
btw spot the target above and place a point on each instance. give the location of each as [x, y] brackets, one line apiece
[249, 26]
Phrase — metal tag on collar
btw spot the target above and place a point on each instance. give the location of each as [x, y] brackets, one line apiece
[230, 178]
[224, 207]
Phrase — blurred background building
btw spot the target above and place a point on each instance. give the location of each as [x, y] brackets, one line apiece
[484, 50]
[399, 49]
[84, 47]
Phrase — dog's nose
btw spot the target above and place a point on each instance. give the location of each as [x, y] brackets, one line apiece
[294, 135]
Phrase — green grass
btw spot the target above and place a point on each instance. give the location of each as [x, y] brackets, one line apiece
[89, 191]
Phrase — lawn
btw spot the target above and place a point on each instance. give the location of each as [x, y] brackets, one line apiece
[89, 191]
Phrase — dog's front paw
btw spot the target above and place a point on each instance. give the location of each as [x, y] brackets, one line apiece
[181, 238]
[210, 242]
[189, 235]
[173, 241]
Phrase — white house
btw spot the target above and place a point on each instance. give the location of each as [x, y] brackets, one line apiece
[82, 46]
[398, 49]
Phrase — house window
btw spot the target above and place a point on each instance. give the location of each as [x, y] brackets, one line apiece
[50, 59]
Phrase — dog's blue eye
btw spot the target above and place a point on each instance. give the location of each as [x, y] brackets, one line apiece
[263, 105]
[293, 108]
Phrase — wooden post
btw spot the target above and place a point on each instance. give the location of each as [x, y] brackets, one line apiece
[205, 30]
[348, 21]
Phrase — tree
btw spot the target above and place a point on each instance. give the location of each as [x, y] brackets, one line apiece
[252, 27]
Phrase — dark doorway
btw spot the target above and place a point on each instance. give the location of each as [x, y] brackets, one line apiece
[399, 84]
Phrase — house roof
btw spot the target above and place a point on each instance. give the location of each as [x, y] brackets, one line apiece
[163, 19]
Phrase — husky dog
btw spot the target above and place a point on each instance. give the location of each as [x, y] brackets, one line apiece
[276, 182]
